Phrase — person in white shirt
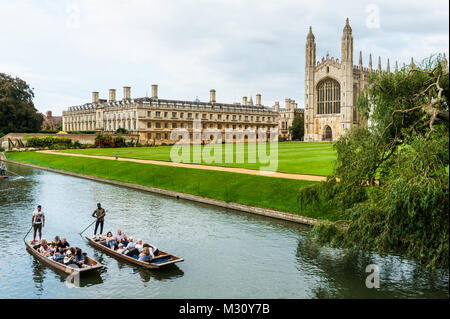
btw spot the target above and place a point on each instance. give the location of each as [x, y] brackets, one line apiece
[121, 249]
[139, 245]
[38, 221]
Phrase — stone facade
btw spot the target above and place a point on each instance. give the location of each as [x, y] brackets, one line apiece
[51, 121]
[286, 117]
[331, 89]
[154, 119]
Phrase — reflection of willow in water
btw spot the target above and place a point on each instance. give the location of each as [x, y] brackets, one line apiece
[343, 275]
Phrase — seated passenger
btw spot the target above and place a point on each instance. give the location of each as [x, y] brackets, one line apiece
[63, 244]
[131, 248]
[112, 243]
[45, 248]
[56, 241]
[69, 259]
[59, 255]
[121, 238]
[80, 258]
[53, 248]
[153, 250]
[139, 245]
[121, 249]
[145, 255]
[109, 240]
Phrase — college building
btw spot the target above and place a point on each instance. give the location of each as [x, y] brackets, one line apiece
[155, 119]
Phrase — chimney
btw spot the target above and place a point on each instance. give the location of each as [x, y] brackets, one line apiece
[277, 106]
[154, 91]
[258, 99]
[244, 100]
[49, 114]
[287, 104]
[212, 96]
[112, 95]
[95, 97]
[126, 93]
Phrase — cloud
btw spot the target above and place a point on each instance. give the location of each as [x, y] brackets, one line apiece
[67, 49]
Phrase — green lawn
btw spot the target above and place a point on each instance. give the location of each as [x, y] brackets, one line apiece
[254, 190]
[293, 157]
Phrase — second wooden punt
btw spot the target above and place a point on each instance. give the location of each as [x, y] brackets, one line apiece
[163, 258]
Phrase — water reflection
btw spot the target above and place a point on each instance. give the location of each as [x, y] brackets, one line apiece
[242, 255]
[167, 273]
[343, 274]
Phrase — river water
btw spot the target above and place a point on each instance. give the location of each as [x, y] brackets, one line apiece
[227, 254]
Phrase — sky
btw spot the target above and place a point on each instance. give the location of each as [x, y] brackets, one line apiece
[66, 49]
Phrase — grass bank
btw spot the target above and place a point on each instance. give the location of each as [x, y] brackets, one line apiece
[293, 157]
[260, 191]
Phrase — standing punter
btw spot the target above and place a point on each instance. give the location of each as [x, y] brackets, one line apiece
[99, 213]
[38, 221]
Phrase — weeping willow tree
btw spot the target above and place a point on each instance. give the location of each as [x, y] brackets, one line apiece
[390, 186]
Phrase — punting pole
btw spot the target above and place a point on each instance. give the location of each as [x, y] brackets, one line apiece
[15, 173]
[27, 233]
[88, 227]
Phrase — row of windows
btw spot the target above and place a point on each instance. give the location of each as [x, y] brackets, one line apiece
[205, 116]
[204, 125]
[167, 136]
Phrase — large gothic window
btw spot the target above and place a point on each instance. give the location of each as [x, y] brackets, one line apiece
[328, 97]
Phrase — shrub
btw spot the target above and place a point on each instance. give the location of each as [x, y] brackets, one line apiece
[49, 142]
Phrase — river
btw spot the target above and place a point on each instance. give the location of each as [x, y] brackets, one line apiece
[227, 254]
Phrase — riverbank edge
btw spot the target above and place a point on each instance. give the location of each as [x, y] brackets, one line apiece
[230, 205]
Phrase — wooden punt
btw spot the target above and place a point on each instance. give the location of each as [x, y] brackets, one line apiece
[93, 264]
[149, 265]
[3, 177]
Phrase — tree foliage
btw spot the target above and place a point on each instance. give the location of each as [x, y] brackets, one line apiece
[392, 193]
[297, 129]
[17, 111]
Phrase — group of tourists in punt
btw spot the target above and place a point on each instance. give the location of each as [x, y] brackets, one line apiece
[129, 247]
[60, 251]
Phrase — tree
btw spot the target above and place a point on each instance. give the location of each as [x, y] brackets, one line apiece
[297, 130]
[17, 111]
[390, 186]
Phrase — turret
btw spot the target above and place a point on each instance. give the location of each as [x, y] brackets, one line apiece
[360, 64]
[370, 63]
[379, 64]
[347, 43]
[388, 68]
[310, 49]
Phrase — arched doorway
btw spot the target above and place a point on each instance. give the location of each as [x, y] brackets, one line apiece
[328, 136]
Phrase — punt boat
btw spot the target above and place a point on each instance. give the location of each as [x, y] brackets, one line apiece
[3, 177]
[163, 258]
[92, 264]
